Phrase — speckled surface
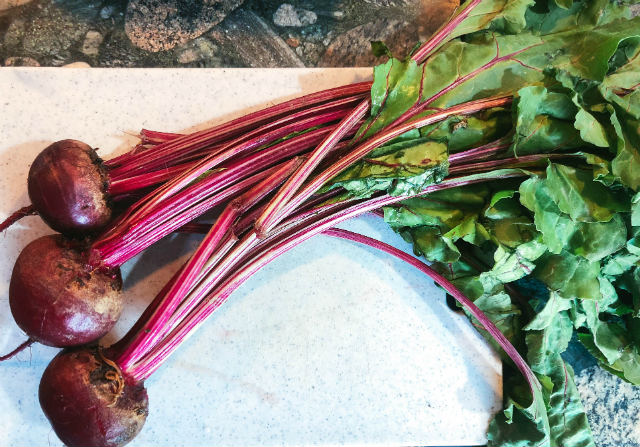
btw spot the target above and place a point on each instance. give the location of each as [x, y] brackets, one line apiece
[331, 344]
[613, 407]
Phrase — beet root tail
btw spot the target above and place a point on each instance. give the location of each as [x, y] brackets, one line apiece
[22, 212]
[18, 350]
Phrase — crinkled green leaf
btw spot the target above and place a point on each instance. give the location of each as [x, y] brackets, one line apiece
[591, 240]
[469, 230]
[635, 210]
[428, 242]
[544, 122]
[520, 425]
[466, 132]
[543, 344]
[547, 336]
[511, 265]
[499, 308]
[444, 209]
[546, 316]
[587, 56]
[590, 129]
[499, 15]
[394, 82]
[508, 221]
[570, 276]
[433, 222]
[620, 263]
[491, 66]
[407, 168]
[576, 193]
[620, 86]
[626, 164]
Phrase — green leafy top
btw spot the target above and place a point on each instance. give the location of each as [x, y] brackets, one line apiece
[572, 223]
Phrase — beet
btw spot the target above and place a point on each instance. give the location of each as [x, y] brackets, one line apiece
[89, 403]
[68, 188]
[57, 300]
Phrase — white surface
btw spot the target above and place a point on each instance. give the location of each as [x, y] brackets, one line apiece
[331, 344]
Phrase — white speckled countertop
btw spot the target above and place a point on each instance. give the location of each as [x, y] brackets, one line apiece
[332, 344]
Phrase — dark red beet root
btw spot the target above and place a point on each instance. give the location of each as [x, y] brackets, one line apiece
[68, 187]
[56, 300]
[88, 403]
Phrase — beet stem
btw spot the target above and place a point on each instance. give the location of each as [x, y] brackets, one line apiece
[488, 150]
[269, 217]
[115, 249]
[157, 323]
[441, 35]
[383, 137]
[443, 282]
[233, 128]
[274, 211]
[154, 199]
[259, 253]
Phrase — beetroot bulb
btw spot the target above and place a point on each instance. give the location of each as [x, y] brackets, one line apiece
[67, 186]
[89, 402]
[57, 300]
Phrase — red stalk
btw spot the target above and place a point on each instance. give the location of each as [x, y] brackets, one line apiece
[154, 199]
[120, 251]
[381, 138]
[154, 137]
[233, 128]
[275, 211]
[118, 187]
[443, 282]
[114, 248]
[442, 34]
[488, 150]
[515, 162]
[255, 255]
[189, 274]
[263, 134]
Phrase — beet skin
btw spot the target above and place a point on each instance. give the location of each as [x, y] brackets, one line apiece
[57, 300]
[86, 405]
[68, 187]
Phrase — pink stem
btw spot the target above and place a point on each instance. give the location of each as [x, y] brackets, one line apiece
[265, 253]
[127, 185]
[158, 323]
[116, 254]
[443, 282]
[270, 216]
[515, 162]
[230, 129]
[274, 211]
[441, 35]
[261, 135]
[379, 139]
[155, 199]
[479, 153]
[107, 249]
[155, 137]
